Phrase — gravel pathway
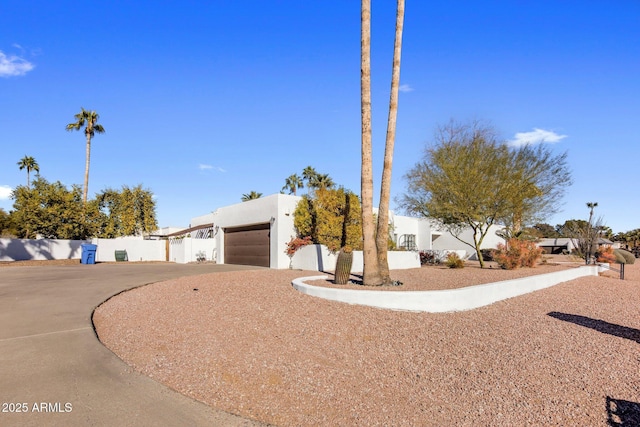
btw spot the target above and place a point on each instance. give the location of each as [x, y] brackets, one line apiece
[248, 343]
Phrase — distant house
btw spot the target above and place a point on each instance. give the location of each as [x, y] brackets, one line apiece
[566, 244]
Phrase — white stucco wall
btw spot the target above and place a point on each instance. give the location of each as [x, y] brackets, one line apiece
[446, 241]
[137, 249]
[47, 249]
[178, 250]
[40, 249]
[420, 227]
[318, 258]
[186, 250]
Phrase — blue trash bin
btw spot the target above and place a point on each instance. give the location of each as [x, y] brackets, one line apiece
[88, 254]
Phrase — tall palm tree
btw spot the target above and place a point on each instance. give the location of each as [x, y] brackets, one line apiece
[371, 272]
[293, 183]
[322, 181]
[382, 235]
[30, 164]
[89, 120]
[251, 196]
[309, 174]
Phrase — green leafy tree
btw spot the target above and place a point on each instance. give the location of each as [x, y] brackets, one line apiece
[30, 164]
[6, 225]
[569, 227]
[128, 212]
[544, 230]
[88, 119]
[470, 180]
[462, 182]
[251, 196]
[293, 183]
[330, 218]
[53, 211]
[538, 180]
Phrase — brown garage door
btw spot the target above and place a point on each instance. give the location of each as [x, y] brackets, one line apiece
[247, 245]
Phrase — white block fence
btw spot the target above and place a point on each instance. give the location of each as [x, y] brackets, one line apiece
[40, 249]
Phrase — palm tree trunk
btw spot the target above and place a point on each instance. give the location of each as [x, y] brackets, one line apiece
[382, 236]
[371, 272]
[86, 171]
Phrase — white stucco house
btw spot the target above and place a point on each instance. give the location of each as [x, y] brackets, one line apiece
[256, 232]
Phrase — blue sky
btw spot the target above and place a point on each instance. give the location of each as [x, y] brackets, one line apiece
[203, 101]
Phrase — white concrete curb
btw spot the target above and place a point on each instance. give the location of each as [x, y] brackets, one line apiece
[443, 300]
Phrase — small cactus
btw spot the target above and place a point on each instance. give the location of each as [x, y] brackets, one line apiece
[343, 266]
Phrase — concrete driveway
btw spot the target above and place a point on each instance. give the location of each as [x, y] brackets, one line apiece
[55, 372]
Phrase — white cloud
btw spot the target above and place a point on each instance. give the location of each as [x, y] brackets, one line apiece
[537, 136]
[405, 88]
[5, 192]
[204, 167]
[14, 65]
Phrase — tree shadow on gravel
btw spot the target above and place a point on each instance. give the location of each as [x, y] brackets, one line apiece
[622, 413]
[599, 325]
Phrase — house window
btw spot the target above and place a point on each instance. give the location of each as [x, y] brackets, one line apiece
[408, 242]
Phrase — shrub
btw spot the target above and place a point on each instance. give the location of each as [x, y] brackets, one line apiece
[426, 257]
[487, 254]
[517, 253]
[432, 256]
[507, 258]
[624, 257]
[531, 254]
[296, 243]
[332, 217]
[454, 261]
[605, 254]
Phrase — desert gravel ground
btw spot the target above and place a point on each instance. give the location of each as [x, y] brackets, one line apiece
[248, 343]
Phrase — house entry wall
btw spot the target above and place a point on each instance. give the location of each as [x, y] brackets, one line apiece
[248, 245]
